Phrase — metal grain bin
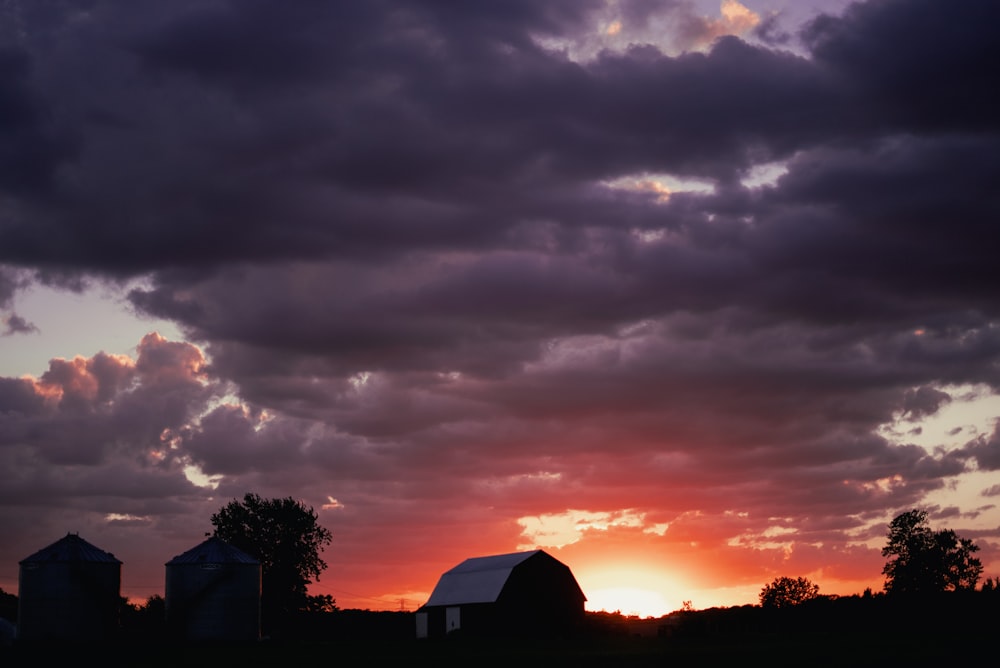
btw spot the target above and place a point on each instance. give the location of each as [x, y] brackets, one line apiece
[213, 593]
[69, 590]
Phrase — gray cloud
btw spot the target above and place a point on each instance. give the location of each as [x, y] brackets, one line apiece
[15, 324]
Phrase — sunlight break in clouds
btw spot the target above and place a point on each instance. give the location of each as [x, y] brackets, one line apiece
[197, 477]
[672, 27]
[766, 539]
[953, 415]
[332, 504]
[737, 19]
[561, 529]
[660, 186]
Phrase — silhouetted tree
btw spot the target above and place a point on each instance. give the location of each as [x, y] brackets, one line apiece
[8, 606]
[284, 536]
[784, 591]
[321, 603]
[146, 620]
[923, 561]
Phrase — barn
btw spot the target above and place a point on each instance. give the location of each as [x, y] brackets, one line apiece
[213, 593]
[517, 594]
[70, 590]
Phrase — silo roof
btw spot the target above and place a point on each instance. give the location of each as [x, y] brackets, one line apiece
[213, 551]
[477, 580]
[73, 549]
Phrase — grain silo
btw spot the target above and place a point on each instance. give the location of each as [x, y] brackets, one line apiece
[213, 593]
[69, 590]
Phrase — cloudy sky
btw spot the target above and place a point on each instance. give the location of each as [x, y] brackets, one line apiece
[691, 295]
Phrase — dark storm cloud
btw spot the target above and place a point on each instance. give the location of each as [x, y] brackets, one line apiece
[30, 149]
[413, 139]
[12, 281]
[917, 63]
[430, 255]
[923, 401]
[985, 450]
[413, 130]
[9, 283]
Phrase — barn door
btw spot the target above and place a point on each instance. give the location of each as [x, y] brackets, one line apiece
[452, 619]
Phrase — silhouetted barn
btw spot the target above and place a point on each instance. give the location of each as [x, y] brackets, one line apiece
[69, 590]
[213, 593]
[524, 593]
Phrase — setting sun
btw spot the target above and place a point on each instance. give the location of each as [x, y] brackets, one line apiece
[628, 601]
[632, 589]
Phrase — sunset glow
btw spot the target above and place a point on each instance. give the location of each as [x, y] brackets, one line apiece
[689, 295]
[628, 601]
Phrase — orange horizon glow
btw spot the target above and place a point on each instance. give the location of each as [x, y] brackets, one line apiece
[625, 562]
[625, 590]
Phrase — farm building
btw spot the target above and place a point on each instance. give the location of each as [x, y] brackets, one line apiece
[69, 590]
[523, 593]
[213, 593]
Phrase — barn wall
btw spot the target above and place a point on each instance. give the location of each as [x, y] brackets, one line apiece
[475, 619]
[541, 597]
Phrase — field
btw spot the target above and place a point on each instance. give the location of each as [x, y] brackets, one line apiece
[846, 632]
[807, 649]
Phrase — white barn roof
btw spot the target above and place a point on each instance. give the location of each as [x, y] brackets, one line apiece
[477, 580]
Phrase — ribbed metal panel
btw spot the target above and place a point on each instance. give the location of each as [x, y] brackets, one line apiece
[213, 593]
[69, 590]
[213, 551]
[477, 580]
[72, 548]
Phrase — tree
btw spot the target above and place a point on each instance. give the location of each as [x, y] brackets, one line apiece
[145, 620]
[8, 606]
[784, 592]
[321, 603]
[923, 561]
[284, 536]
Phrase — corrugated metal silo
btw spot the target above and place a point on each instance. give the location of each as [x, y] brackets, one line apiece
[69, 590]
[213, 593]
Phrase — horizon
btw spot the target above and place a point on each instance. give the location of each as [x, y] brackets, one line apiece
[690, 294]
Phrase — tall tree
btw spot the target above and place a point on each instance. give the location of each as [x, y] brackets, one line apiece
[283, 534]
[784, 591]
[923, 561]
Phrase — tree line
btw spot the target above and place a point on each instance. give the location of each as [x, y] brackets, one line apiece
[921, 562]
[285, 537]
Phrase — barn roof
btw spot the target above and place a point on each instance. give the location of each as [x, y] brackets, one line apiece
[213, 551]
[477, 580]
[71, 549]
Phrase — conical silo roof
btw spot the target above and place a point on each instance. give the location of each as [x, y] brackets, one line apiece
[71, 549]
[213, 551]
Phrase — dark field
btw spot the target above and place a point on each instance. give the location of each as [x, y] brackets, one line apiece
[809, 649]
[952, 630]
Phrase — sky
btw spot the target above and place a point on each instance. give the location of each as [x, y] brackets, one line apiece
[691, 295]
